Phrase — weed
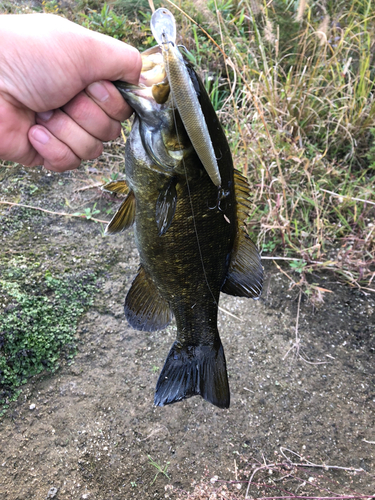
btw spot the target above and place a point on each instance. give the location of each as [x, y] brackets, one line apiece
[51, 7]
[281, 477]
[105, 21]
[88, 213]
[159, 469]
[298, 265]
[133, 8]
[118, 21]
[295, 97]
[114, 176]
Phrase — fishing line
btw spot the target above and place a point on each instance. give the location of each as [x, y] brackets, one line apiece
[189, 194]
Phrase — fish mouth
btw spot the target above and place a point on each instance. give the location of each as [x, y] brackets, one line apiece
[153, 70]
[133, 94]
[163, 134]
[153, 85]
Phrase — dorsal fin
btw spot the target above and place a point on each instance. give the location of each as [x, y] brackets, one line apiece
[124, 217]
[245, 273]
[145, 308]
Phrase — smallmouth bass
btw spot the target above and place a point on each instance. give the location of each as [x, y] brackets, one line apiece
[192, 244]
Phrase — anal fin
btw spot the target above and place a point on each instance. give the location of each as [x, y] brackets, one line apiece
[145, 308]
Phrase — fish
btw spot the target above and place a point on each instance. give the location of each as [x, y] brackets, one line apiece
[192, 243]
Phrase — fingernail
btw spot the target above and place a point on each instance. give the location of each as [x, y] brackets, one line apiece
[45, 115]
[98, 91]
[40, 136]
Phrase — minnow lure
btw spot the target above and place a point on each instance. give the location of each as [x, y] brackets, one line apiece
[163, 27]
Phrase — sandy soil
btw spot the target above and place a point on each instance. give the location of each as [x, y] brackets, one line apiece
[94, 426]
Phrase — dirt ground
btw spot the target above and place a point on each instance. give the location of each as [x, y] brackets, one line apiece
[88, 430]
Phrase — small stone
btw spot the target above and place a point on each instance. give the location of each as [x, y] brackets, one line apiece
[52, 492]
[85, 495]
[32, 406]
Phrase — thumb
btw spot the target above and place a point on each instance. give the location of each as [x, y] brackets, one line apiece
[110, 59]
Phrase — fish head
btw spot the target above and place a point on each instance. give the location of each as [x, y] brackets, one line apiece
[161, 128]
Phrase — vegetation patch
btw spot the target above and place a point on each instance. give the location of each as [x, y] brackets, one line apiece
[39, 319]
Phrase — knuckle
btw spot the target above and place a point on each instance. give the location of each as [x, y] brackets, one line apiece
[112, 131]
[79, 108]
[58, 124]
[116, 130]
[93, 151]
[115, 106]
[121, 110]
[64, 159]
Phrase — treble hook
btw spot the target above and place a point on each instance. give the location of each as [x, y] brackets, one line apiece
[221, 195]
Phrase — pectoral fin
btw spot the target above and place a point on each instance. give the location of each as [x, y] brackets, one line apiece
[124, 217]
[145, 308]
[245, 273]
[166, 207]
[117, 187]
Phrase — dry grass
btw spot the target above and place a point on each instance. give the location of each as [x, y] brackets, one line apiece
[295, 94]
[301, 120]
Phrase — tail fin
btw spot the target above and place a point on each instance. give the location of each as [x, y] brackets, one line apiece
[193, 370]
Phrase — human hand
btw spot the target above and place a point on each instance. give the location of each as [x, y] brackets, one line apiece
[57, 104]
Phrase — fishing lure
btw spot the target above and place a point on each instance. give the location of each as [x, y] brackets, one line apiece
[163, 27]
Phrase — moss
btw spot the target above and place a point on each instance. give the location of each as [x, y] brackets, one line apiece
[38, 321]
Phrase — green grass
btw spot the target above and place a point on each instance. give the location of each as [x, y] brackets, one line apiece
[159, 468]
[295, 96]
